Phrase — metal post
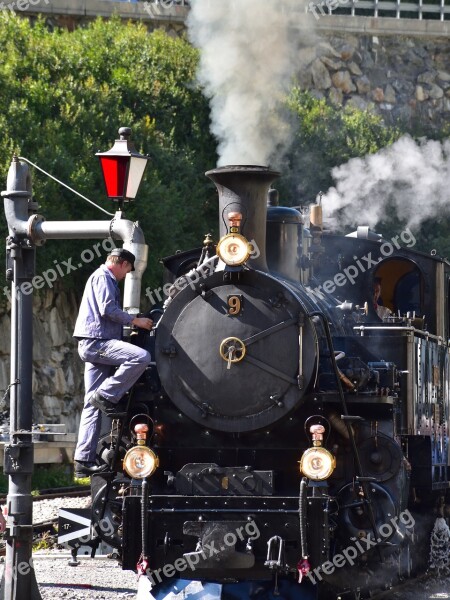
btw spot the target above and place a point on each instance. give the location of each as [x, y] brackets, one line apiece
[26, 231]
[19, 580]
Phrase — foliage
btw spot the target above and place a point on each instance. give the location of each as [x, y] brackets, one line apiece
[64, 95]
[44, 478]
[327, 136]
[46, 541]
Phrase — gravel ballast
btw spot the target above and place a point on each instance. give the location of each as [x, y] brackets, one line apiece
[98, 579]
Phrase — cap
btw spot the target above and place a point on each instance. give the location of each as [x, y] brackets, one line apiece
[125, 255]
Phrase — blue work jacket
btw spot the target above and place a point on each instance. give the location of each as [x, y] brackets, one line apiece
[100, 315]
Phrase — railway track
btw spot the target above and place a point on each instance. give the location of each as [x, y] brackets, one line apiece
[50, 493]
[47, 529]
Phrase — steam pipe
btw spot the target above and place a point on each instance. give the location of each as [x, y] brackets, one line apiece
[18, 193]
[119, 229]
[69, 230]
[134, 241]
[38, 230]
[27, 230]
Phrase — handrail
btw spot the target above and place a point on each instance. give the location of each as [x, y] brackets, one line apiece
[354, 7]
[406, 328]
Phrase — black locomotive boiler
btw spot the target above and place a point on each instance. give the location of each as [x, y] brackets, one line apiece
[286, 430]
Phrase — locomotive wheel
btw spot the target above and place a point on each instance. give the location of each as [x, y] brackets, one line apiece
[105, 454]
[108, 527]
[355, 521]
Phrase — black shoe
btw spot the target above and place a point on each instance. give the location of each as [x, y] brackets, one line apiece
[110, 409]
[85, 468]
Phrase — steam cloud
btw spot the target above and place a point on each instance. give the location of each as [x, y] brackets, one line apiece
[248, 52]
[413, 178]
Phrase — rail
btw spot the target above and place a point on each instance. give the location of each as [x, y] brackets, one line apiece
[78, 491]
[176, 11]
[404, 328]
[437, 10]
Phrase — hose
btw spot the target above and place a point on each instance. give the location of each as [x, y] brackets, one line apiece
[302, 516]
[144, 499]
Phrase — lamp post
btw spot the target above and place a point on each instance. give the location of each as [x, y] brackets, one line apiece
[122, 168]
[19, 580]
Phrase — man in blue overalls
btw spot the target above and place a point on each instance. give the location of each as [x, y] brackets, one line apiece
[99, 331]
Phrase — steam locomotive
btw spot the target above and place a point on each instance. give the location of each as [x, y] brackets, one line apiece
[286, 430]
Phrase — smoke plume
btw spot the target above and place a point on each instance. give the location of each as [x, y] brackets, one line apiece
[412, 178]
[247, 60]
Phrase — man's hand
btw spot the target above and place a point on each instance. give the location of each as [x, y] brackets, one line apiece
[142, 322]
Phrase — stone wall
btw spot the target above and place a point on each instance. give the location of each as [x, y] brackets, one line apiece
[57, 369]
[399, 68]
[404, 79]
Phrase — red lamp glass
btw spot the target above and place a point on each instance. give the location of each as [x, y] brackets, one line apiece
[122, 168]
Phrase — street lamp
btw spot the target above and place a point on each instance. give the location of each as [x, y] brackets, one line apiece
[122, 168]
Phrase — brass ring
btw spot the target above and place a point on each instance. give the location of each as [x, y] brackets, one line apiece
[225, 346]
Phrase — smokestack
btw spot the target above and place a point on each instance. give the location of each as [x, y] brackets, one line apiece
[244, 189]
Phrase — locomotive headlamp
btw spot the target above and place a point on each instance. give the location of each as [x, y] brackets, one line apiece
[140, 461]
[317, 463]
[234, 249]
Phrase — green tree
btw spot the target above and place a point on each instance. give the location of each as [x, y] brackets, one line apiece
[326, 136]
[64, 95]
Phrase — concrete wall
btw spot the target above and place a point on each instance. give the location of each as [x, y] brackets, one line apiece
[70, 13]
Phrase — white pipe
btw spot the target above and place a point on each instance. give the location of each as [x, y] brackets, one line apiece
[17, 197]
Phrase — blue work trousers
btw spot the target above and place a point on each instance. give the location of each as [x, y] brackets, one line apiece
[100, 356]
